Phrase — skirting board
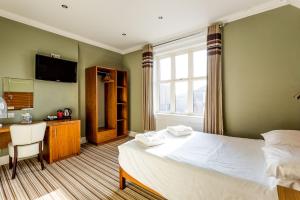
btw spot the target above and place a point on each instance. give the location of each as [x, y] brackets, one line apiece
[4, 159]
[132, 133]
[83, 140]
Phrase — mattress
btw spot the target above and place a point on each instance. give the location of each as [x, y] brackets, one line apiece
[201, 166]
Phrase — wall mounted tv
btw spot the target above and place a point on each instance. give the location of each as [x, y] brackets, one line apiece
[54, 69]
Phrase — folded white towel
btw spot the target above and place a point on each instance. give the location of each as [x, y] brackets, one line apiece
[180, 130]
[150, 138]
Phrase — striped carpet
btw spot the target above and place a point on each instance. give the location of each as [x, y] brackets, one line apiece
[91, 175]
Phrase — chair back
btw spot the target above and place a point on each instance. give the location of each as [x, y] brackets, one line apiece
[27, 134]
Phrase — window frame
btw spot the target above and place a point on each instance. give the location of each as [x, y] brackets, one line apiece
[190, 79]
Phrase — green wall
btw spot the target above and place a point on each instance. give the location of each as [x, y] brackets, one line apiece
[262, 73]
[18, 45]
[133, 63]
[91, 56]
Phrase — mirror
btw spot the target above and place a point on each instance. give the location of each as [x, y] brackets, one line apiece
[18, 93]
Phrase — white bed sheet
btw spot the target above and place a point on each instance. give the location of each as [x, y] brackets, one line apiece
[201, 167]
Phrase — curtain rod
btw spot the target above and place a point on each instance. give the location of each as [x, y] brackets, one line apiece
[187, 36]
[177, 39]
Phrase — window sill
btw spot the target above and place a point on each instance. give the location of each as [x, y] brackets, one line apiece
[164, 120]
[163, 115]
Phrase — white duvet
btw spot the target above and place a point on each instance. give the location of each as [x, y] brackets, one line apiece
[201, 167]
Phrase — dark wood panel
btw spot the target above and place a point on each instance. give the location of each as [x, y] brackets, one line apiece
[122, 103]
[19, 100]
[91, 107]
[4, 139]
[287, 193]
[111, 101]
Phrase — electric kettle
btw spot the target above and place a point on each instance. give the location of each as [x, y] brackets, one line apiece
[67, 112]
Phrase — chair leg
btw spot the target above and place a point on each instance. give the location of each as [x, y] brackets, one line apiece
[15, 162]
[41, 155]
[10, 165]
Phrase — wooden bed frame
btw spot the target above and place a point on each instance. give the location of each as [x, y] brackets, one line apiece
[283, 192]
[124, 176]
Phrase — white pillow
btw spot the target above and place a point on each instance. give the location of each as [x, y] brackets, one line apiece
[283, 162]
[282, 137]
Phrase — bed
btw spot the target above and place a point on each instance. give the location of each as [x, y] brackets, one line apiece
[199, 166]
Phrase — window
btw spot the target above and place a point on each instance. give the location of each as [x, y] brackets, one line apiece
[181, 82]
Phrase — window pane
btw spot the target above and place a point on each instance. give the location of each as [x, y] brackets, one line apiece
[165, 69]
[181, 63]
[199, 89]
[181, 95]
[165, 97]
[200, 60]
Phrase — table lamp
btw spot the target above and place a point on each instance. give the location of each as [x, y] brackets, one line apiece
[3, 109]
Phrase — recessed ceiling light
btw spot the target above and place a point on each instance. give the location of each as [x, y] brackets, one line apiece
[160, 17]
[64, 6]
[124, 34]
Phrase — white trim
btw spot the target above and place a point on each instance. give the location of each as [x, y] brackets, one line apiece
[254, 10]
[226, 19]
[295, 3]
[52, 29]
[4, 160]
[132, 133]
[195, 41]
[164, 120]
[190, 79]
[133, 49]
[164, 115]
[236, 16]
[83, 140]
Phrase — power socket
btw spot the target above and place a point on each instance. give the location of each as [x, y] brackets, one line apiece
[297, 96]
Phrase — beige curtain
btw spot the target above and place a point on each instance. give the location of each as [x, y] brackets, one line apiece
[213, 115]
[148, 115]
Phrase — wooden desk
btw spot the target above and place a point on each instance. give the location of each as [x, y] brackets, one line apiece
[4, 128]
[4, 136]
[62, 139]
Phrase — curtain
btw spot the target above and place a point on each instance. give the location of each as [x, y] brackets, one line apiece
[147, 77]
[213, 115]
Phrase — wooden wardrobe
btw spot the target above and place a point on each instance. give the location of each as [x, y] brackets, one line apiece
[106, 104]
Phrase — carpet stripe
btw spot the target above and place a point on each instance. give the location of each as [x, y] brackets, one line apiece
[94, 174]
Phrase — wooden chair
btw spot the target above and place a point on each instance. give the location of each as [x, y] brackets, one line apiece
[27, 141]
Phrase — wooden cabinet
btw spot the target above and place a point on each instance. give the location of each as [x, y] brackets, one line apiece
[122, 103]
[287, 193]
[106, 88]
[62, 140]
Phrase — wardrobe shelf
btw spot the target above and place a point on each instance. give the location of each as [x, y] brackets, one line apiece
[102, 104]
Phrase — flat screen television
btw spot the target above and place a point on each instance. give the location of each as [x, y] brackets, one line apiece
[54, 69]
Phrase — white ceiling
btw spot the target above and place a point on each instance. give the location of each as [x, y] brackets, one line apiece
[102, 22]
